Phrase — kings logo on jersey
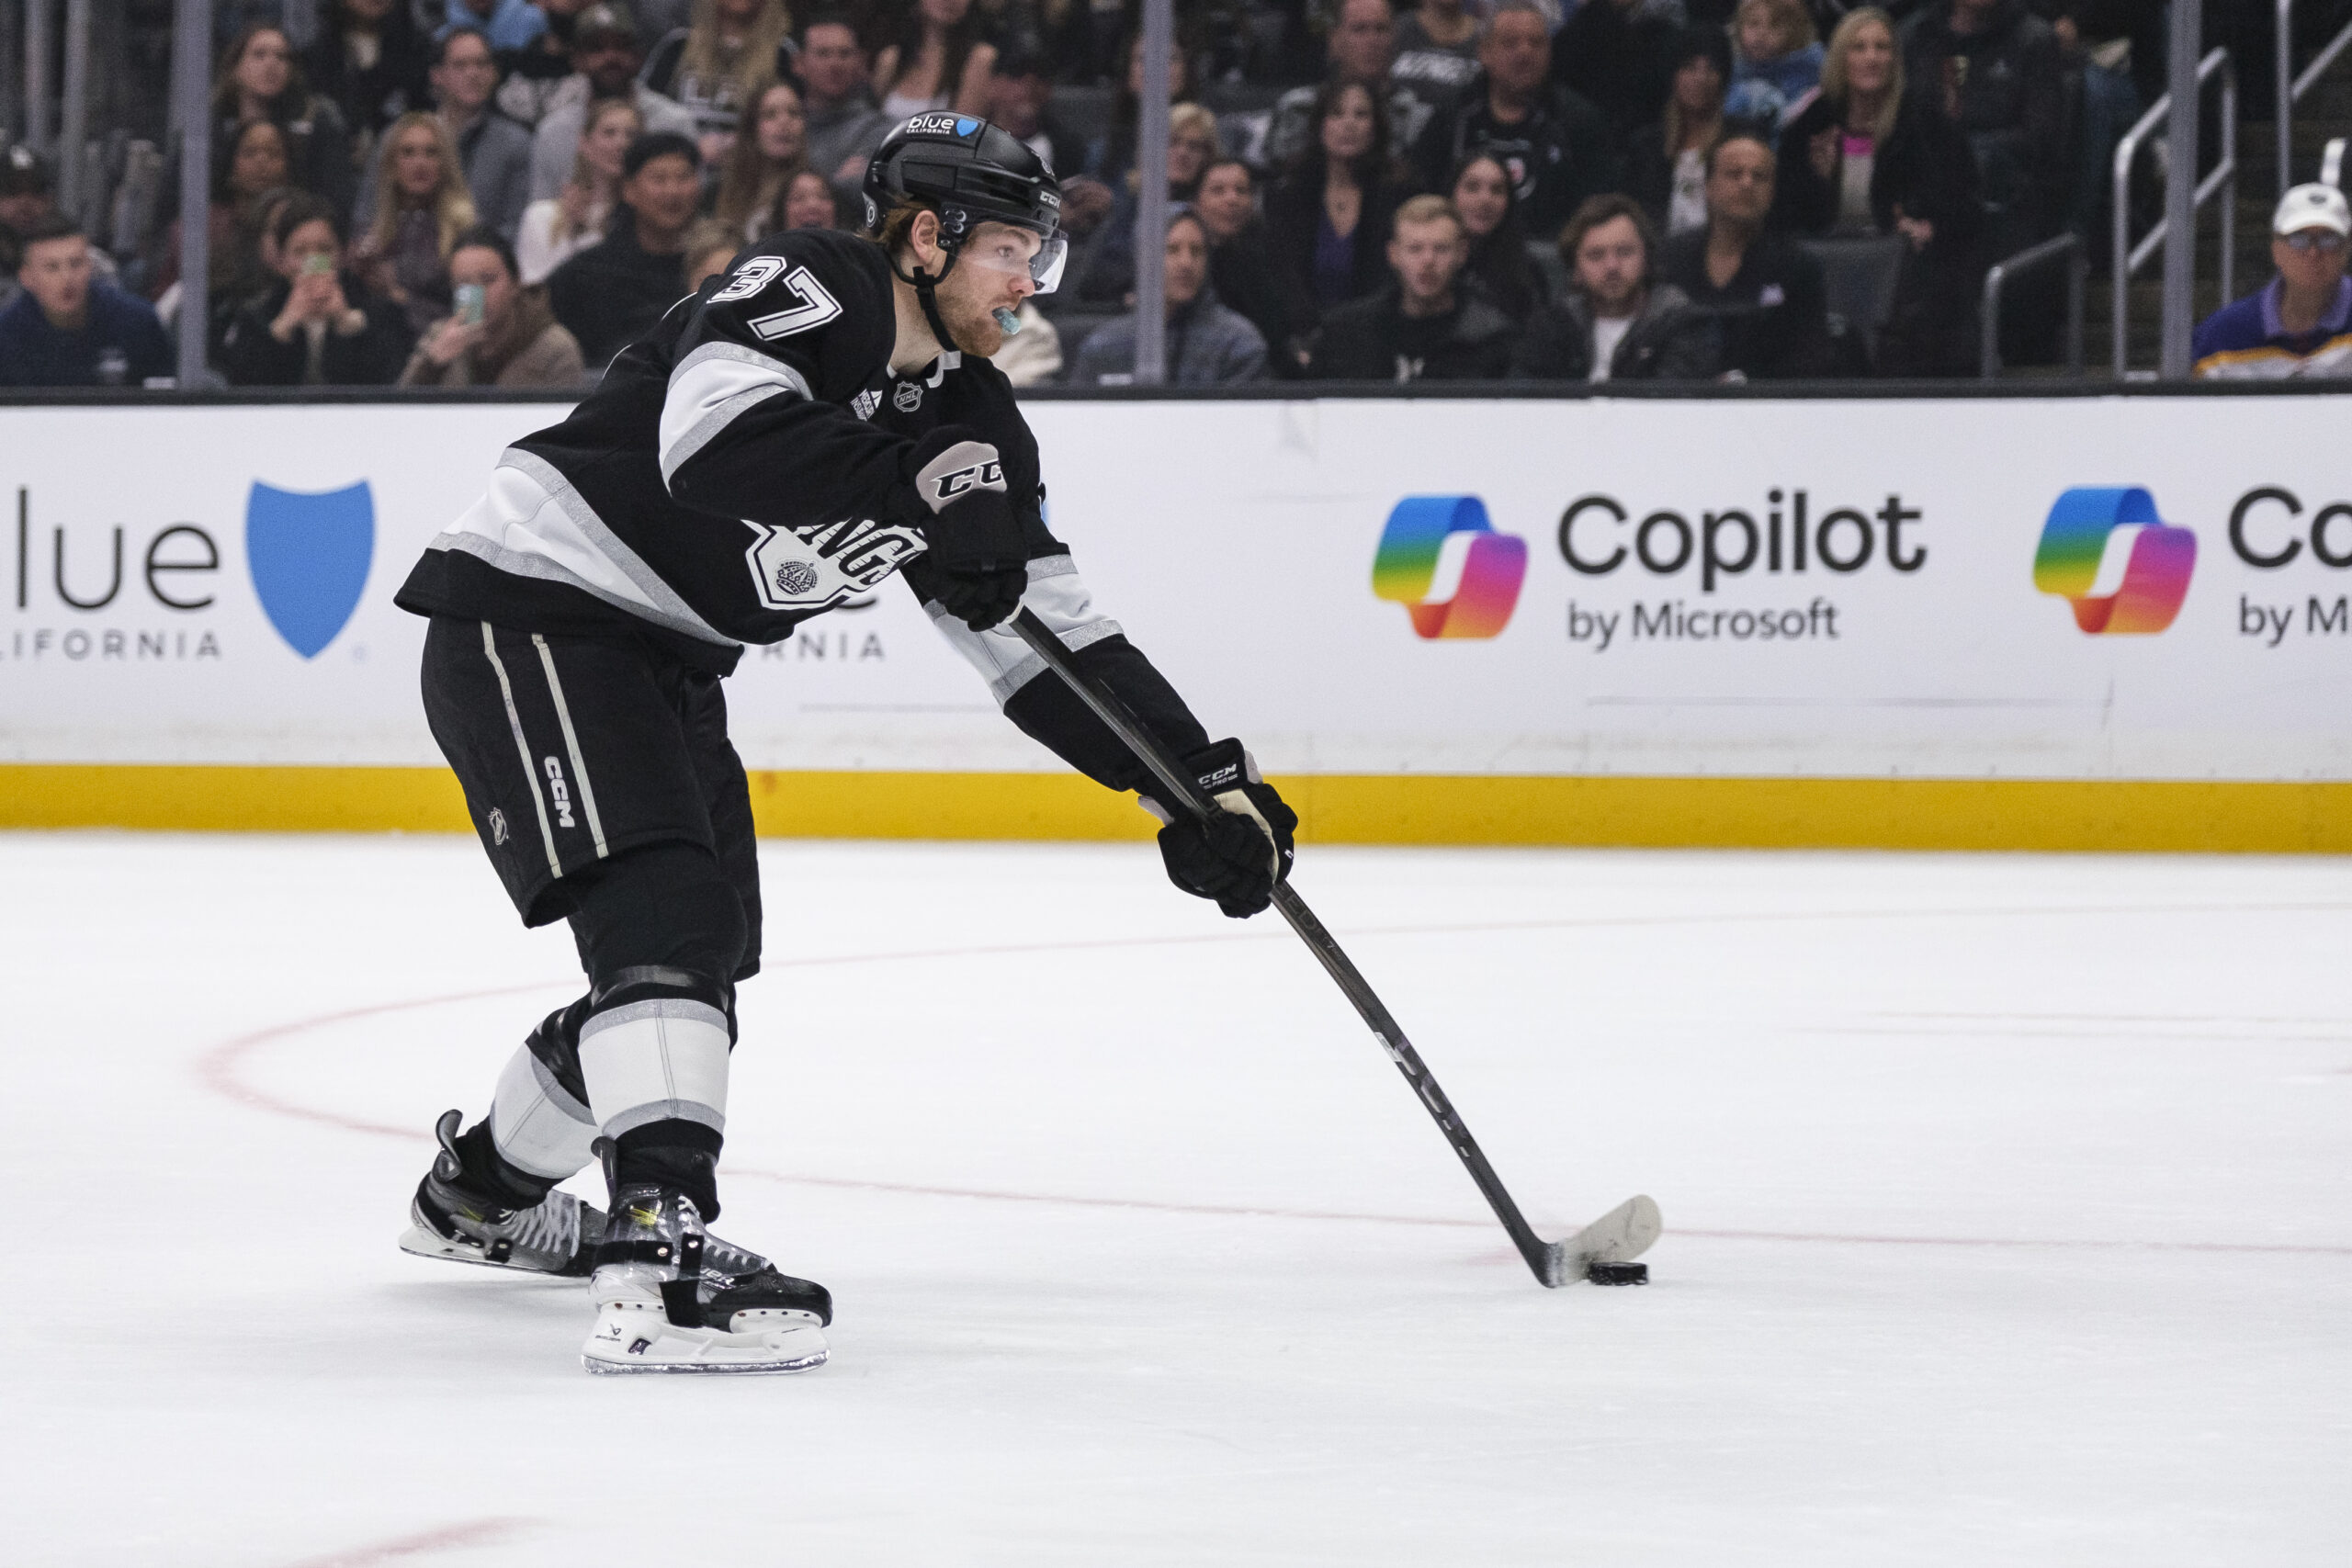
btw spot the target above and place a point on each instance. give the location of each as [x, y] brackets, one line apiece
[815, 568]
[309, 555]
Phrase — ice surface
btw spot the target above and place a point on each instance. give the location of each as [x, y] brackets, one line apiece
[2006, 1208]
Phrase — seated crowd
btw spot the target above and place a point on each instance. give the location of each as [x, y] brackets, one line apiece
[501, 193]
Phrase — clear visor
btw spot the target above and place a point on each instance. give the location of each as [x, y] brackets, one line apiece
[1017, 251]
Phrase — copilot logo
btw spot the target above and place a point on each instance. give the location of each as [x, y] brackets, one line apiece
[1443, 560]
[2107, 553]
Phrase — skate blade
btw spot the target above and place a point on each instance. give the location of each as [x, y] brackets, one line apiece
[418, 1242]
[630, 1340]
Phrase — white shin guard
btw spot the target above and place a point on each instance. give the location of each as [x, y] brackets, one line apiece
[656, 1061]
[536, 1124]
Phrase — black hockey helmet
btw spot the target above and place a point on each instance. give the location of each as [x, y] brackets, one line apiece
[970, 173]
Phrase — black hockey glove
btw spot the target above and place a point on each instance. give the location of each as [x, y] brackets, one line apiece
[976, 537]
[1239, 853]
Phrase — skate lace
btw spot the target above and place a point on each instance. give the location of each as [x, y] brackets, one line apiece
[552, 1227]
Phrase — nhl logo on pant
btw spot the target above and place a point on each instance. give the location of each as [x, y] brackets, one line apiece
[497, 826]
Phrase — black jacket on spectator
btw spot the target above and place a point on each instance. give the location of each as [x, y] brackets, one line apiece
[1560, 153]
[1619, 58]
[373, 356]
[1670, 341]
[1374, 339]
[1250, 282]
[1294, 211]
[613, 291]
[1774, 313]
[371, 99]
[1499, 266]
[1926, 170]
[2003, 88]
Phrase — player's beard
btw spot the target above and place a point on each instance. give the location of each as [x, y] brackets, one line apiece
[976, 330]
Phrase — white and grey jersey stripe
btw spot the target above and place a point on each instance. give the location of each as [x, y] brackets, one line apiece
[533, 523]
[710, 388]
[1060, 599]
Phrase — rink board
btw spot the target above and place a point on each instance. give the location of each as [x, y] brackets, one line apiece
[1736, 621]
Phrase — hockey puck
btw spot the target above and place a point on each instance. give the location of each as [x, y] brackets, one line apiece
[1619, 1273]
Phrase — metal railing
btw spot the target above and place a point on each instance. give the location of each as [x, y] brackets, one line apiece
[2033, 259]
[2222, 181]
[2292, 88]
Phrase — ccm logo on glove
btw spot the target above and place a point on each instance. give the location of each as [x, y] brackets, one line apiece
[951, 475]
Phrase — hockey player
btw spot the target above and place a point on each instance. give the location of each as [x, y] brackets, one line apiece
[813, 422]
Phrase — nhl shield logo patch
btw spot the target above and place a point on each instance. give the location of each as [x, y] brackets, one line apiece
[309, 553]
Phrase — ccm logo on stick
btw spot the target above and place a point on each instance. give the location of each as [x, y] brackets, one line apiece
[1732, 542]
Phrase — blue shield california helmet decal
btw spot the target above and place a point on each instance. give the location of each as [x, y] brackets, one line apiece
[309, 556]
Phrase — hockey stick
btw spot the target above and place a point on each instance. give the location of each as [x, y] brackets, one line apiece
[1620, 1235]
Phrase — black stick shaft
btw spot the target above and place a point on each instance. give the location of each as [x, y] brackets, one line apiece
[1186, 793]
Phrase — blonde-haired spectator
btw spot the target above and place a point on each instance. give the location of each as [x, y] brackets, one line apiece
[562, 226]
[715, 64]
[422, 206]
[710, 250]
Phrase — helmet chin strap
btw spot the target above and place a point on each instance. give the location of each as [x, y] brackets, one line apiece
[925, 288]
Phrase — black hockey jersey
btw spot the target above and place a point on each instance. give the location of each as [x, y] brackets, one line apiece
[741, 469]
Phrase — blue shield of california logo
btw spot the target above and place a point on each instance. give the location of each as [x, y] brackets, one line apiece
[309, 556]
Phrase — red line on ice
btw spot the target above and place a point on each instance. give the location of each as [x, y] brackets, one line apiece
[473, 1532]
[221, 1069]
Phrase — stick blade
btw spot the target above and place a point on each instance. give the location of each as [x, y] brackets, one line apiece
[1621, 1235]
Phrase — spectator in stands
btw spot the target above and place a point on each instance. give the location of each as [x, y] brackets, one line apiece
[25, 200]
[1619, 55]
[1498, 264]
[605, 47]
[1557, 146]
[533, 76]
[1668, 173]
[1992, 67]
[709, 250]
[2299, 324]
[494, 152]
[369, 61]
[318, 326]
[715, 65]
[1362, 48]
[613, 291]
[811, 202]
[761, 165]
[1616, 323]
[511, 26]
[1242, 268]
[424, 206]
[1020, 104]
[1110, 157]
[2117, 45]
[1109, 265]
[66, 329]
[845, 125]
[1329, 217]
[1769, 295]
[1867, 157]
[1032, 356]
[1209, 345]
[576, 218]
[1776, 60]
[1423, 326]
[501, 334]
[249, 179]
[260, 80]
[1437, 47]
[936, 59]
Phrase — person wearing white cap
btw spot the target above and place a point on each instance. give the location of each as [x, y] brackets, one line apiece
[2301, 323]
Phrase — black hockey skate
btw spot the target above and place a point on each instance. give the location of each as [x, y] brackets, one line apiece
[452, 1218]
[670, 1297]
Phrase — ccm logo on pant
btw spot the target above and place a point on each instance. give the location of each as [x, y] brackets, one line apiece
[561, 793]
[979, 476]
